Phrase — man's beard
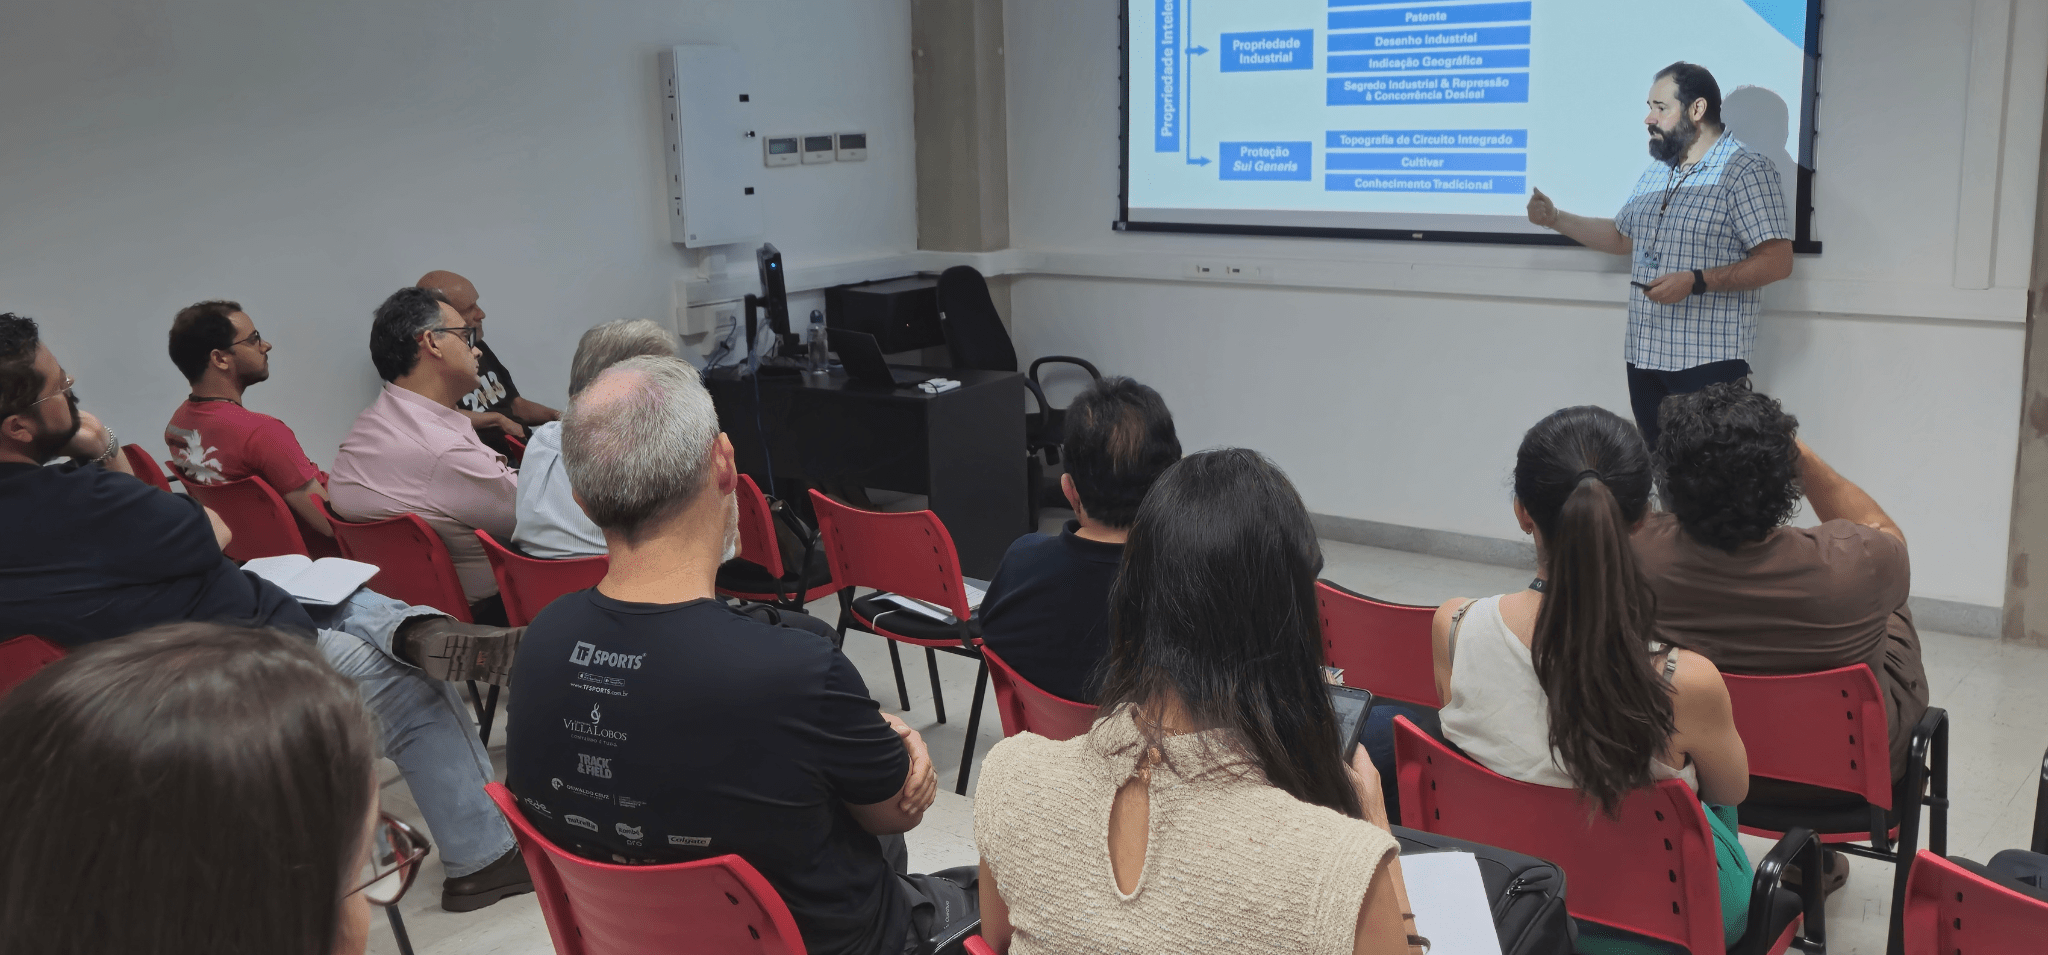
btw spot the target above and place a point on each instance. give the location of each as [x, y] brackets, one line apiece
[48, 444]
[1670, 148]
[732, 529]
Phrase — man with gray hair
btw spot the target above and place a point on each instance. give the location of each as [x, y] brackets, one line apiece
[550, 524]
[656, 724]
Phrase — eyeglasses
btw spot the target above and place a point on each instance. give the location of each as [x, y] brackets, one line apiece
[394, 863]
[66, 393]
[468, 333]
[255, 338]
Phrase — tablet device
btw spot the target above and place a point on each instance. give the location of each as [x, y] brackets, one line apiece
[1351, 705]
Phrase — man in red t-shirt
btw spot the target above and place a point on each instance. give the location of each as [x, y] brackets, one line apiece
[213, 439]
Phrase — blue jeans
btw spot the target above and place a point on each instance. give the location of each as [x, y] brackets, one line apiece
[424, 728]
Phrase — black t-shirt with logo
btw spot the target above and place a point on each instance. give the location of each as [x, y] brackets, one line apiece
[651, 733]
[494, 387]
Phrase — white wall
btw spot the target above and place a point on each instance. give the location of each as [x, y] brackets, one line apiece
[308, 158]
[1401, 399]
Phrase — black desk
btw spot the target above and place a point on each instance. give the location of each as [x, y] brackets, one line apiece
[963, 449]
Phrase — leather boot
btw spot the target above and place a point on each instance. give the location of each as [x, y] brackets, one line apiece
[450, 650]
[504, 878]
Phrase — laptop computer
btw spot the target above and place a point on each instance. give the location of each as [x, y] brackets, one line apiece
[862, 357]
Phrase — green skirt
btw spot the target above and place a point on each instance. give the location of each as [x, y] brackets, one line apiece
[1736, 877]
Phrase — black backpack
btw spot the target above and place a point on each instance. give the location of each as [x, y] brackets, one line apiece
[1526, 893]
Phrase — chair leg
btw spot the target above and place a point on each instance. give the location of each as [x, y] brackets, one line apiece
[902, 688]
[931, 661]
[483, 721]
[973, 728]
[398, 930]
[490, 715]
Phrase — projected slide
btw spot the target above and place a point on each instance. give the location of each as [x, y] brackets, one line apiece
[1435, 117]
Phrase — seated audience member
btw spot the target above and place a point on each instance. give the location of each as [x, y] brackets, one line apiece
[494, 404]
[1215, 769]
[214, 440]
[655, 724]
[1757, 596]
[1047, 610]
[192, 788]
[411, 453]
[91, 555]
[551, 524]
[1566, 683]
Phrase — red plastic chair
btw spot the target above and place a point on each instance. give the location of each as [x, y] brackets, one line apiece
[1955, 905]
[1651, 872]
[517, 448]
[413, 566]
[412, 560]
[261, 522]
[22, 656]
[976, 946]
[721, 904]
[1827, 729]
[910, 554]
[1025, 708]
[529, 584]
[145, 467]
[1380, 646]
[758, 572]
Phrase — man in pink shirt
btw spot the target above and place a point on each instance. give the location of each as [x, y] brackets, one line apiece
[412, 452]
[213, 439]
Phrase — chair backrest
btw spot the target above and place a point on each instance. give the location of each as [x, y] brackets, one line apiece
[1380, 646]
[1823, 729]
[145, 467]
[529, 584]
[975, 335]
[261, 523]
[1026, 708]
[1950, 908]
[1652, 871]
[412, 561]
[22, 656]
[976, 946]
[909, 553]
[757, 528]
[720, 904]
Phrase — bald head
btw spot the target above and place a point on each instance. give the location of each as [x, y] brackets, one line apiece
[459, 291]
[637, 442]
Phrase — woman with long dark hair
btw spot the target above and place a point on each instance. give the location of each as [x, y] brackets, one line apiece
[1567, 683]
[1210, 808]
[193, 788]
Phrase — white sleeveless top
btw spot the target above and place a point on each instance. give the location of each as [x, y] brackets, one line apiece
[1498, 713]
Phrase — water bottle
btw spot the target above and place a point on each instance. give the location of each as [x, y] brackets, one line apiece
[815, 345]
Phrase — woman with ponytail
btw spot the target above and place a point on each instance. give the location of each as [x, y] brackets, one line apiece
[1568, 683]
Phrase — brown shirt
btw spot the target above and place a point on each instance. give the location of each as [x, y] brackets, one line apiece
[1801, 600]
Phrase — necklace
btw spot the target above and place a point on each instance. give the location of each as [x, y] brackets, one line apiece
[1536, 585]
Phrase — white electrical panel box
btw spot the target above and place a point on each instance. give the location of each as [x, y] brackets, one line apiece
[710, 144]
[818, 147]
[853, 147]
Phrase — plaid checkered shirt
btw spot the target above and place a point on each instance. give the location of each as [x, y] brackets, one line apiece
[1701, 216]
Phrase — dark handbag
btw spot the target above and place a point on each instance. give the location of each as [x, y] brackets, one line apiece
[1525, 893]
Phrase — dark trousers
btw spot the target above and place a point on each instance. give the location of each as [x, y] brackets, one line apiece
[1378, 740]
[1647, 389]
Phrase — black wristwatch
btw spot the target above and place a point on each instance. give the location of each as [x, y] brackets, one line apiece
[1699, 282]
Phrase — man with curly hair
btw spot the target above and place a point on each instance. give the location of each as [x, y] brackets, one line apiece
[1753, 595]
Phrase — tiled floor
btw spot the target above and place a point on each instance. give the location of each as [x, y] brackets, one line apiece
[1991, 690]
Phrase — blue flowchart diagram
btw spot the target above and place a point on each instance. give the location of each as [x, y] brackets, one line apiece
[1377, 57]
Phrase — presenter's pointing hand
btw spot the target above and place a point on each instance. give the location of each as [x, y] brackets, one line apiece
[1541, 210]
[1670, 287]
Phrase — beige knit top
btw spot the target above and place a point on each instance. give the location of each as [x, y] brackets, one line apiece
[1232, 863]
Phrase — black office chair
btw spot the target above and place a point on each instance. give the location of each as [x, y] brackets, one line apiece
[976, 339]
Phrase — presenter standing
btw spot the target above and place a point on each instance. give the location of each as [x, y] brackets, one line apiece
[1705, 230]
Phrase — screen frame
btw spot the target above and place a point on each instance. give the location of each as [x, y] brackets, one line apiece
[1802, 200]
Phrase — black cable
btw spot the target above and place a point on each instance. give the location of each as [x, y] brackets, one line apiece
[761, 431]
